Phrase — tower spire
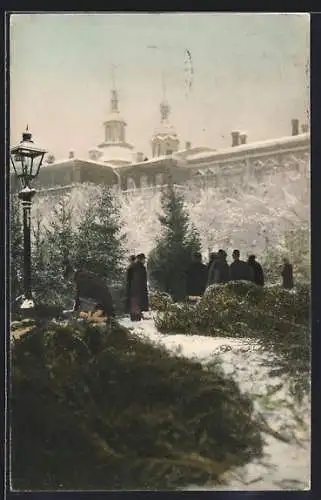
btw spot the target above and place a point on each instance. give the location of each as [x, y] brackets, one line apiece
[114, 93]
[164, 86]
[164, 106]
[113, 68]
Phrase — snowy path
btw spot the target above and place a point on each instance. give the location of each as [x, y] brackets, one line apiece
[284, 466]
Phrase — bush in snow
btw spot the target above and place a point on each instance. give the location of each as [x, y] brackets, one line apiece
[276, 317]
[159, 301]
[93, 407]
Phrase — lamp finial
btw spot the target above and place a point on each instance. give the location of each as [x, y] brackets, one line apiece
[27, 136]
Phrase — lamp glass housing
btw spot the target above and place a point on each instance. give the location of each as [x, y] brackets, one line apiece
[26, 159]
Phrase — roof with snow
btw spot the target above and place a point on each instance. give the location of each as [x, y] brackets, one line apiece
[159, 160]
[72, 162]
[267, 145]
[184, 153]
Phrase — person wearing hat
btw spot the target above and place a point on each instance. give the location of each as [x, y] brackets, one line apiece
[212, 257]
[138, 290]
[219, 270]
[239, 269]
[196, 276]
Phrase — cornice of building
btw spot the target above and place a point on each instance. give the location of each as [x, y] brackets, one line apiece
[252, 150]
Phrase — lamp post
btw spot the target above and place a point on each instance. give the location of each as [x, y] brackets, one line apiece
[26, 159]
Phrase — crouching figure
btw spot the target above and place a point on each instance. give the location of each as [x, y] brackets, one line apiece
[89, 286]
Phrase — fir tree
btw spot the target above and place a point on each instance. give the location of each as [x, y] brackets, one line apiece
[169, 260]
[51, 248]
[16, 248]
[99, 246]
[44, 279]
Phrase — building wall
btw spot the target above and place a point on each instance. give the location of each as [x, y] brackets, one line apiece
[147, 174]
[230, 169]
[236, 166]
[97, 175]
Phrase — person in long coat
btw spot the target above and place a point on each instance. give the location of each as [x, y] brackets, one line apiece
[196, 276]
[138, 292]
[128, 282]
[219, 270]
[89, 286]
[212, 257]
[239, 269]
[258, 275]
[287, 274]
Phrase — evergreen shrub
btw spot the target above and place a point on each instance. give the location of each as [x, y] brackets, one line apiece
[93, 407]
[277, 318]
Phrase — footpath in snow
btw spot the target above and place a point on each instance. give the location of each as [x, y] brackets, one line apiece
[285, 466]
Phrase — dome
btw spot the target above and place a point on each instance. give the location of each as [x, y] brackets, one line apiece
[114, 116]
[165, 128]
[117, 154]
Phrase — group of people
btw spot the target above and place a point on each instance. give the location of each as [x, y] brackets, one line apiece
[218, 271]
[92, 289]
[198, 277]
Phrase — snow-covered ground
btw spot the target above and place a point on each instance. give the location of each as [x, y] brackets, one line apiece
[285, 466]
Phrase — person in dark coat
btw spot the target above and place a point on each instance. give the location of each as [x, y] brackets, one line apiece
[219, 270]
[129, 277]
[196, 276]
[138, 290]
[212, 257]
[287, 274]
[258, 275]
[89, 286]
[239, 269]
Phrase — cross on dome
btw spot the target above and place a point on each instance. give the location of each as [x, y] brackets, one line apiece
[164, 106]
[164, 110]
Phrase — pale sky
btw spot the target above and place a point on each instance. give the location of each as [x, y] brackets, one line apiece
[250, 73]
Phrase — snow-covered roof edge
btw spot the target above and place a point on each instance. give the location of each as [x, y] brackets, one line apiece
[243, 148]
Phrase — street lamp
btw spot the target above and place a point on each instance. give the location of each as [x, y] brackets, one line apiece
[26, 159]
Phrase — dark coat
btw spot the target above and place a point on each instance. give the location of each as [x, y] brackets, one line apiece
[138, 289]
[287, 275]
[218, 272]
[196, 279]
[257, 272]
[128, 284]
[90, 286]
[210, 262]
[240, 270]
